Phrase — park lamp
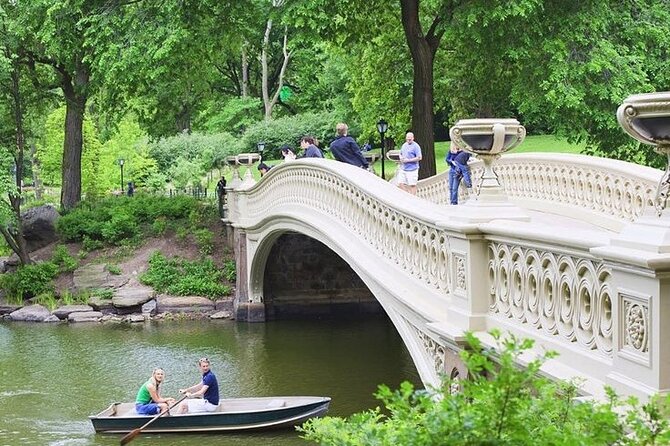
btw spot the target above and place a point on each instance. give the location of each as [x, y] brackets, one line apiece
[120, 162]
[382, 127]
[260, 146]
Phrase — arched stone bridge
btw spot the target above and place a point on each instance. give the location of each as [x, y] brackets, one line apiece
[580, 267]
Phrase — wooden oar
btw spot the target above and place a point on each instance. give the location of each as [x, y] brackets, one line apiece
[135, 432]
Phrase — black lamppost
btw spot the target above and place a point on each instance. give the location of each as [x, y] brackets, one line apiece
[260, 146]
[121, 161]
[382, 127]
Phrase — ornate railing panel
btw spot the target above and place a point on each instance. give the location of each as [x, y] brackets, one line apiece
[564, 296]
[614, 189]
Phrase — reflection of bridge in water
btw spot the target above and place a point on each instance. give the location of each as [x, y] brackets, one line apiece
[577, 268]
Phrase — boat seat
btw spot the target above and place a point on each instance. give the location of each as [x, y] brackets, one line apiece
[276, 404]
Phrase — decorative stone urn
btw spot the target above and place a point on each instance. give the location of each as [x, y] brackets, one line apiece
[394, 155]
[646, 117]
[488, 139]
[248, 159]
[371, 158]
[236, 180]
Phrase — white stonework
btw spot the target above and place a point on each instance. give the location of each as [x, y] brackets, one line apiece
[572, 276]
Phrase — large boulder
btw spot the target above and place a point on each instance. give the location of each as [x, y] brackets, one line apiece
[39, 226]
[32, 313]
[85, 316]
[129, 299]
[64, 311]
[184, 304]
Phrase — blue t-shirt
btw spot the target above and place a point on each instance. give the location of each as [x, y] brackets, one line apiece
[410, 151]
[212, 392]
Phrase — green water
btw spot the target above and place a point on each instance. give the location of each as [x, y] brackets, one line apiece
[53, 376]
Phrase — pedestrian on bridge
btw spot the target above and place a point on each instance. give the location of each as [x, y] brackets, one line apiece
[308, 145]
[345, 149]
[410, 155]
[457, 159]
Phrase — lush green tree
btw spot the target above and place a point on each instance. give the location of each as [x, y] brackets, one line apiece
[498, 404]
[50, 152]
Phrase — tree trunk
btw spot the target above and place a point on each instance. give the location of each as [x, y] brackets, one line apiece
[74, 90]
[14, 235]
[245, 71]
[422, 48]
[36, 167]
[264, 71]
[72, 149]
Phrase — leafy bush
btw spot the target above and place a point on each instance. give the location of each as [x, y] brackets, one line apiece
[236, 115]
[182, 278]
[121, 226]
[159, 226]
[289, 130]
[204, 238]
[113, 220]
[62, 258]
[113, 269]
[29, 280]
[230, 271]
[500, 404]
[46, 299]
[204, 150]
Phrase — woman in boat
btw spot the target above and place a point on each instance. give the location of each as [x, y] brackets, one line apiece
[207, 388]
[149, 400]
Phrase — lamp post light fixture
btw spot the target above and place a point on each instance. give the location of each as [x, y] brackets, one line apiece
[121, 162]
[260, 146]
[382, 127]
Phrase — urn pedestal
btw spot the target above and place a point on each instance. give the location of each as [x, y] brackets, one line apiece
[248, 160]
[488, 139]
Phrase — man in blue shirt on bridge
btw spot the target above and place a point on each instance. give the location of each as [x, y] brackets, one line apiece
[410, 155]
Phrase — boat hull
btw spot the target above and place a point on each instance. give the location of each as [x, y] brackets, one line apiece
[233, 415]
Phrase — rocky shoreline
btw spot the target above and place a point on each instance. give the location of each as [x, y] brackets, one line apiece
[99, 310]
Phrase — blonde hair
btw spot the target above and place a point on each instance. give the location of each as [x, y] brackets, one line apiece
[453, 147]
[341, 129]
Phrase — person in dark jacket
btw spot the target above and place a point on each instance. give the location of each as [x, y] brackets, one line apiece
[308, 144]
[345, 149]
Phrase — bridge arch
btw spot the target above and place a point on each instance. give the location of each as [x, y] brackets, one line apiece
[262, 237]
[586, 272]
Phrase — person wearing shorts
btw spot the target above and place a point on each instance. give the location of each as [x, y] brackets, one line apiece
[207, 388]
[148, 400]
[410, 155]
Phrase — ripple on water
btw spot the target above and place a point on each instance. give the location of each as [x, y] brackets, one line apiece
[11, 393]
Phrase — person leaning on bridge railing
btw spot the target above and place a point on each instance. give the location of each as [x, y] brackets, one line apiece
[457, 159]
[345, 149]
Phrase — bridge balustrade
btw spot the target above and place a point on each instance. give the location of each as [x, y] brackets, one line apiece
[606, 192]
[585, 288]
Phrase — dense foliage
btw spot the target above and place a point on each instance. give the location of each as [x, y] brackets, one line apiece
[119, 219]
[499, 404]
[172, 87]
[181, 277]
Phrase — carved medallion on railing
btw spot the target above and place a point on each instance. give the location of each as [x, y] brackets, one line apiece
[562, 295]
[635, 327]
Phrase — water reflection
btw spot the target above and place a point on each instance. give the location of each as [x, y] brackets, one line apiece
[53, 377]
